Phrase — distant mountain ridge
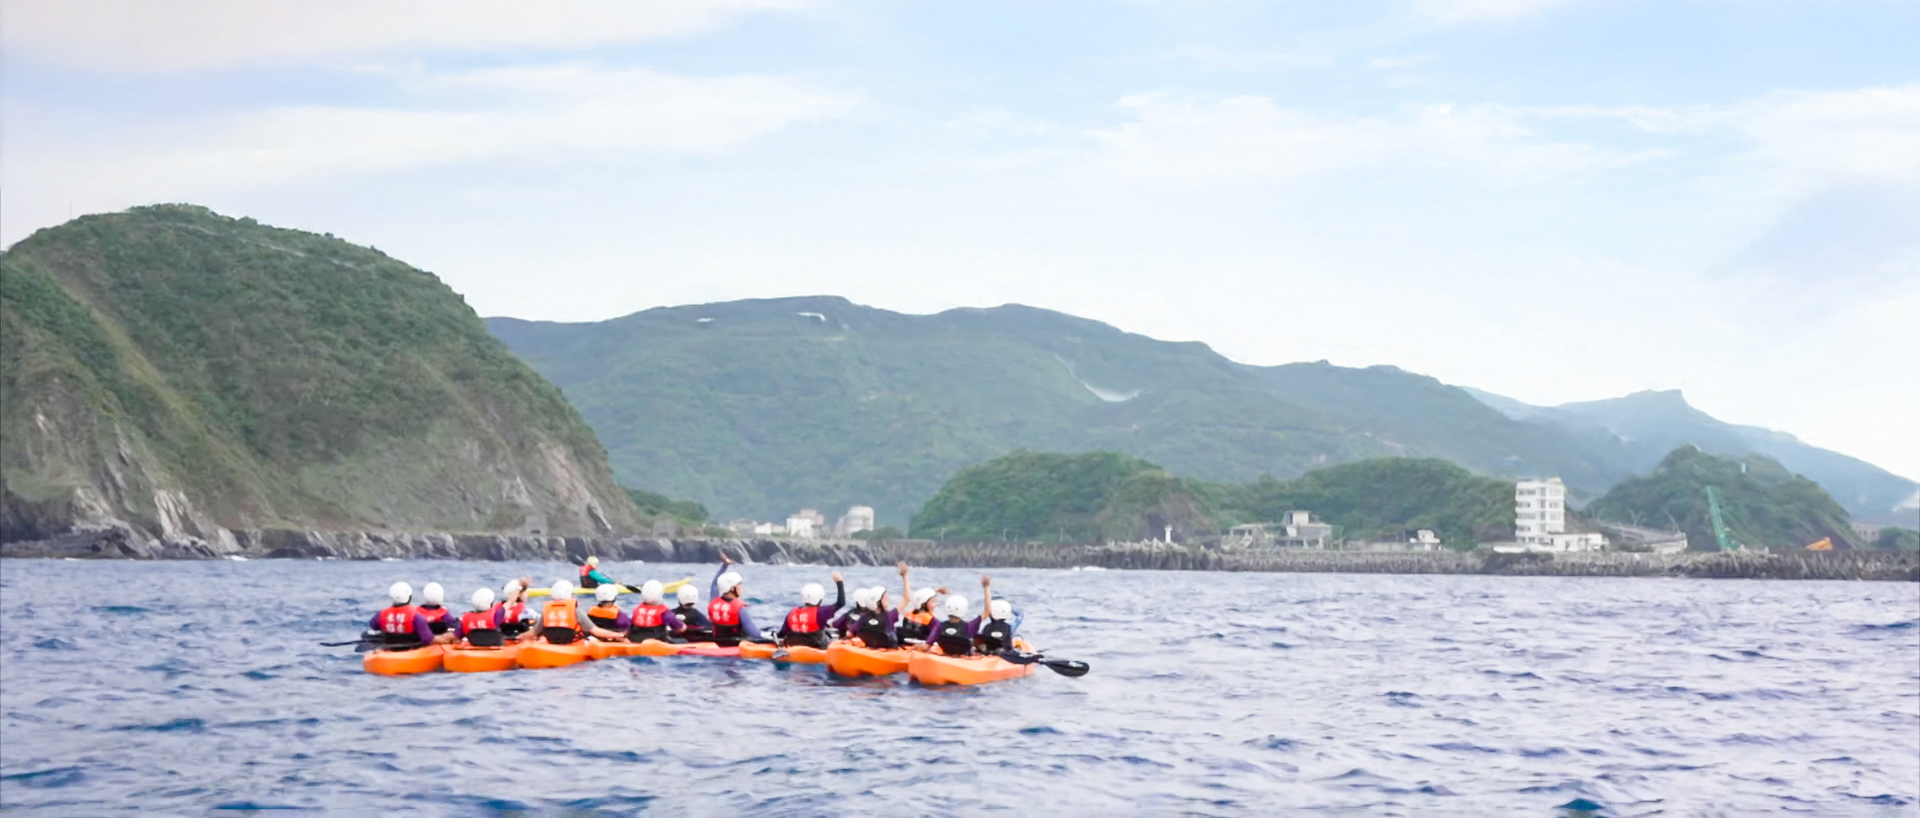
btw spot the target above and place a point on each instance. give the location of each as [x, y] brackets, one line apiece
[179, 373]
[1653, 423]
[760, 407]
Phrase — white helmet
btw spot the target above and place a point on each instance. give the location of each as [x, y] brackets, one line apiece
[593, 561]
[400, 593]
[433, 593]
[483, 599]
[863, 597]
[956, 605]
[728, 581]
[1001, 610]
[606, 593]
[812, 594]
[652, 592]
[921, 596]
[689, 595]
[561, 589]
[512, 587]
[876, 593]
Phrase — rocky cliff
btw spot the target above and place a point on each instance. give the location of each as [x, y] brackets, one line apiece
[175, 375]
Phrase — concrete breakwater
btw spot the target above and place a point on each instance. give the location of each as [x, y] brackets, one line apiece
[121, 543]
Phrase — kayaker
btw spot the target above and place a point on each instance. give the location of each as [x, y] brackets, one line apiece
[994, 632]
[481, 627]
[560, 617]
[514, 623]
[650, 619]
[732, 623]
[807, 624]
[400, 625]
[916, 622]
[607, 621]
[590, 575]
[432, 607]
[954, 635]
[694, 624]
[870, 622]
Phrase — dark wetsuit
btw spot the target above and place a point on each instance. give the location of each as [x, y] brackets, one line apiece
[955, 638]
[873, 629]
[992, 635]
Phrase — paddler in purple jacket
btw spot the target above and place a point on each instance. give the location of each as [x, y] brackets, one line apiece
[953, 635]
[401, 626]
[869, 621]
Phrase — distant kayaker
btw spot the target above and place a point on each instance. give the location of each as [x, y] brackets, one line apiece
[591, 576]
[993, 632]
[651, 619]
[869, 621]
[695, 626]
[481, 627]
[917, 620]
[514, 623]
[732, 623]
[432, 607]
[400, 624]
[953, 636]
[560, 617]
[807, 625]
[605, 618]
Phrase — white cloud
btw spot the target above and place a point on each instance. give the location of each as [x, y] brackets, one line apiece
[556, 115]
[198, 34]
[1249, 137]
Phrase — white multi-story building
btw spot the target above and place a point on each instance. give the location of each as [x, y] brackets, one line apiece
[801, 527]
[1540, 518]
[857, 519]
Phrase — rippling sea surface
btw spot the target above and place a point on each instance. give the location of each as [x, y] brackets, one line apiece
[177, 688]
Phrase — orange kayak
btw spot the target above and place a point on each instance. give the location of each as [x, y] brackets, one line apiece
[849, 659]
[935, 669]
[650, 647]
[803, 655]
[469, 659]
[401, 662]
[543, 654]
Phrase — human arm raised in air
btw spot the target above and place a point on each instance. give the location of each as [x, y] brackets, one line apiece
[713, 586]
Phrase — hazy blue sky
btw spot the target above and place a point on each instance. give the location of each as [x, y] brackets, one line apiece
[1551, 200]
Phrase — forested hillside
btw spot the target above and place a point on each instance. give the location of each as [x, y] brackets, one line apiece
[1763, 504]
[183, 372]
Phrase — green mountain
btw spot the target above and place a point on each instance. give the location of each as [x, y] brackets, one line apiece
[1648, 425]
[1763, 504]
[1110, 496]
[758, 408]
[185, 373]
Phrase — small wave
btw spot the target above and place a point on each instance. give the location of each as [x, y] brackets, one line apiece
[1039, 730]
[1463, 747]
[48, 779]
[1275, 743]
[187, 725]
[55, 643]
[1890, 626]
[250, 806]
[121, 609]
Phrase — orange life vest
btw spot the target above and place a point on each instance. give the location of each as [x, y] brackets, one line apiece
[725, 611]
[398, 619]
[560, 614]
[804, 619]
[648, 616]
[922, 617]
[605, 615]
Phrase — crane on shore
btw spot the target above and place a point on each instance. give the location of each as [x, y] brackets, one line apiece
[1719, 522]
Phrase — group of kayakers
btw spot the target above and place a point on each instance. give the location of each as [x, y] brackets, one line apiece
[932, 619]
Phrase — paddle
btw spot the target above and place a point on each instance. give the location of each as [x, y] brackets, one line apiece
[1064, 667]
[364, 638]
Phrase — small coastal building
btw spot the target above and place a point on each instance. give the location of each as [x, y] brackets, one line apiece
[801, 527]
[741, 527]
[857, 519]
[1300, 530]
[1540, 519]
[768, 530]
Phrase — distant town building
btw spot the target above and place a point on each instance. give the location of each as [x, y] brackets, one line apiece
[1297, 529]
[768, 530]
[801, 527]
[1540, 519]
[857, 519]
[741, 527]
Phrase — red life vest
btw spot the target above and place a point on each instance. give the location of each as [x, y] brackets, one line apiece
[478, 621]
[725, 611]
[398, 619]
[515, 613]
[585, 570]
[560, 614]
[648, 616]
[804, 619]
[434, 614]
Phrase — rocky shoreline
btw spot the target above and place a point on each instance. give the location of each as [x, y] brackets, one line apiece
[123, 543]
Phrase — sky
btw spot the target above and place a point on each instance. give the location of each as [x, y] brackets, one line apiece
[1548, 199]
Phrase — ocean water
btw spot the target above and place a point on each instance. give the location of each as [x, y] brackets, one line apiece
[185, 688]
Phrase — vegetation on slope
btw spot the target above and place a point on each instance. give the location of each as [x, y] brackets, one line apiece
[184, 371]
[1100, 496]
[758, 408]
[1895, 538]
[1763, 504]
[659, 506]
